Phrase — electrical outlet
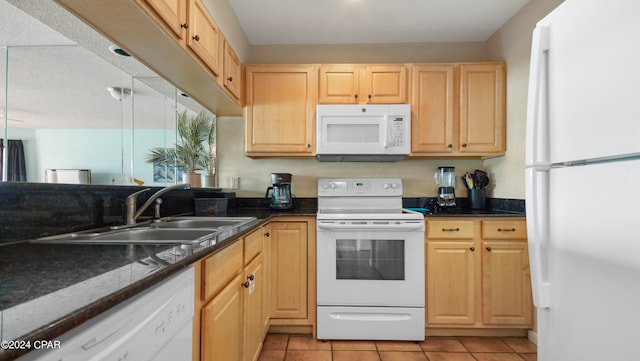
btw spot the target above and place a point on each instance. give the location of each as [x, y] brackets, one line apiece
[235, 182]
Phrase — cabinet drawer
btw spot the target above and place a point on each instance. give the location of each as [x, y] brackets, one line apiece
[447, 229]
[220, 268]
[252, 245]
[504, 229]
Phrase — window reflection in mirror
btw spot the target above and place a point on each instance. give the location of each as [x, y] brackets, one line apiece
[60, 105]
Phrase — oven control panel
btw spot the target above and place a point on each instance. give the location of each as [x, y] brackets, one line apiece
[360, 187]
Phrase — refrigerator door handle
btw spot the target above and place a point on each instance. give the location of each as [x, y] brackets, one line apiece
[537, 142]
[537, 209]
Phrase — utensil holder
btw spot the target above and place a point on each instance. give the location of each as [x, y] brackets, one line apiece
[477, 198]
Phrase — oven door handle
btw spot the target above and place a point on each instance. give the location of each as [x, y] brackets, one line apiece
[332, 226]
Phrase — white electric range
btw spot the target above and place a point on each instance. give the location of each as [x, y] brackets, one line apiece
[370, 262]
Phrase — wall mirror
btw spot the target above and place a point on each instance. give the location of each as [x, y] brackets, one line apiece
[76, 105]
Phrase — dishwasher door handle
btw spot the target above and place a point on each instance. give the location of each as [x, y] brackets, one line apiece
[98, 340]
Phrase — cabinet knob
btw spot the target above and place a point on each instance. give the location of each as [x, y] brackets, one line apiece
[472, 249]
[369, 96]
[184, 26]
[196, 38]
[449, 145]
[247, 283]
[267, 234]
[356, 96]
[308, 145]
[488, 249]
[230, 78]
[464, 145]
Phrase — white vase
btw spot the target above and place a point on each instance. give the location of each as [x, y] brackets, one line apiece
[208, 180]
[191, 178]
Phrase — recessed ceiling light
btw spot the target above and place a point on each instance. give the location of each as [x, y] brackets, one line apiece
[118, 50]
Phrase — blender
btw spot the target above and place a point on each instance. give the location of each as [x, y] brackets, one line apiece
[280, 191]
[445, 178]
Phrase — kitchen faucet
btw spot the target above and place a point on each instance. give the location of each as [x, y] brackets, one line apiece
[132, 214]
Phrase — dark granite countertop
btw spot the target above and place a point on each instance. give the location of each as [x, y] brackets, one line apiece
[48, 289]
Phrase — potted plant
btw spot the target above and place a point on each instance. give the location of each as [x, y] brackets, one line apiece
[209, 160]
[196, 135]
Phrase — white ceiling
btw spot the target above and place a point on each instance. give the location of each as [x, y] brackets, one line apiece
[371, 21]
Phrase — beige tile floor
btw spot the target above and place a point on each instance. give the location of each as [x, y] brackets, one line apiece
[284, 347]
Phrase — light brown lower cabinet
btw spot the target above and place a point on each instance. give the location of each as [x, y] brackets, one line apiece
[289, 269]
[477, 273]
[253, 287]
[292, 267]
[222, 323]
[265, 279]
[232, 321]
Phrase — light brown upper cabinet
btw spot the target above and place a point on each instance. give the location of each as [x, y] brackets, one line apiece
[434, 113]
[232, 79]
[189, 22]
[173, 13]
[458, 109]
[362, 84]
[482, 108]
[204, 37]
[280, 110]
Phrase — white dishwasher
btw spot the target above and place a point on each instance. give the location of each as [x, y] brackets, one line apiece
[156, 325]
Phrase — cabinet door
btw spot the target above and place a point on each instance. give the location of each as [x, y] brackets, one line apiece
[482, 108]
[173, 14]
[289, 270]
[204, 38]
[506, 283]
[433, 109]
[253, 333]
[232, 72]
[385, 84]
[338, 84]
[221, 324]
[451, 290]
[280, 109]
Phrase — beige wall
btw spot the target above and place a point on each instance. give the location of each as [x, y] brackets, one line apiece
[511, 43]
[372, 53]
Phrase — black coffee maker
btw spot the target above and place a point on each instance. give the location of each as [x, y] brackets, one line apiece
[280, 191]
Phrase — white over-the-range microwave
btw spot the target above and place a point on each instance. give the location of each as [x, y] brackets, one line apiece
[363, 133]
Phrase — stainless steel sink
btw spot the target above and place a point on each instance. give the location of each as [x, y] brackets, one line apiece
[202, 222]
[176, 230]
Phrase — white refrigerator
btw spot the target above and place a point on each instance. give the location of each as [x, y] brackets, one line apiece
[583, 181]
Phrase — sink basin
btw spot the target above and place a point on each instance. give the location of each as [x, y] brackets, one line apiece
[176, 230]
[202, 222]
